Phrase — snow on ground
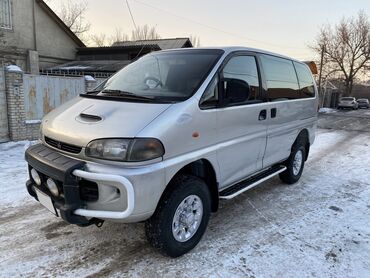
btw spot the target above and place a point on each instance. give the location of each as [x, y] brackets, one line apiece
[318, 227]
[327, 110]
[13, 173]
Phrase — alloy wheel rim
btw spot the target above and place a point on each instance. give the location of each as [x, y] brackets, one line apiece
[187, 218]
[297, 162]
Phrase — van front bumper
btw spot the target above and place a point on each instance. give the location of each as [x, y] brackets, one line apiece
[124, 194]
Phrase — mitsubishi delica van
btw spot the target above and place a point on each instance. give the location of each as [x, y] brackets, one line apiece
[168, 136]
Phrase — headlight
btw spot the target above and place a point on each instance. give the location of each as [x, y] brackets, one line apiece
[132, 150]
[145, 149]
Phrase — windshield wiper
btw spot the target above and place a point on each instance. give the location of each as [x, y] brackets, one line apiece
[125, 94]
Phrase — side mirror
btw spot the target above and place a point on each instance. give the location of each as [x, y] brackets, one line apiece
[236, 90]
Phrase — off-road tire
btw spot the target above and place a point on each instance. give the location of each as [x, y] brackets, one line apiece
[158, 228]
[288, 175]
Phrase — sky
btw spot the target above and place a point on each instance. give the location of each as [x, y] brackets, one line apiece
[283, 26]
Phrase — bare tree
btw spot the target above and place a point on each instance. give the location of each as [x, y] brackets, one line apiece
[195, 40]
[73, 15]
[98, 39]
[144, 33]
[103, 40]
[118, 36]
[346, 48]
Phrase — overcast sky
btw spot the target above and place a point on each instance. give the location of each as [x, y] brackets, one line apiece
[283, 26]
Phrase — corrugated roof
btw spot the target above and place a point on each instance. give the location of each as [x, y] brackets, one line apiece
[116, 48]
[162, 43]
[93, 66]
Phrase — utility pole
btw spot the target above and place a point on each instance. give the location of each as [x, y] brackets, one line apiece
[320, 74]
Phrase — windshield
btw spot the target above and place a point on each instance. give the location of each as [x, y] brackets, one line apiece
[172, 75]
[362, 100]
[347, 98]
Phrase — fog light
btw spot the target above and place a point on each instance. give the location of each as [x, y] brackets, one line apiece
[35, 176]
[52, 186]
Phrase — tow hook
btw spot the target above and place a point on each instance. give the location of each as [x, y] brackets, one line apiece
[93, 221]
[98, 223]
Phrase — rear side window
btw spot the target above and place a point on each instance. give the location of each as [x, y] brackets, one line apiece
[281, 78]
[305, 80]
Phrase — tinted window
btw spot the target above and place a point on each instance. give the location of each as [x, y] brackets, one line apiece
[281, 78]
[244, 68]
[305, 80]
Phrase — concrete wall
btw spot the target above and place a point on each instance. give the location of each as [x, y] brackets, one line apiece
[53, 44]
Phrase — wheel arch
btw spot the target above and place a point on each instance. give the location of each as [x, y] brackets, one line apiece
[304, 136]
[203, 169]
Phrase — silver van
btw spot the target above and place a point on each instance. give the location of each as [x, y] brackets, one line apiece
[168, 136]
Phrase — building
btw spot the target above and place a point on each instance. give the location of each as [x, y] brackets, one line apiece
[104, 61]
[33, 37]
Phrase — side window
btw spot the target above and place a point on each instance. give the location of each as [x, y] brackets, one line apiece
[281, 78]
[210, 96]
[305, 80]
[244, 68]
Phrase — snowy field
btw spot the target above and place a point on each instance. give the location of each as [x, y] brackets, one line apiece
[319, 227]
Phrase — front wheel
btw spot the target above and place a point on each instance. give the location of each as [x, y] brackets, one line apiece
[294, 164]
[181, 217]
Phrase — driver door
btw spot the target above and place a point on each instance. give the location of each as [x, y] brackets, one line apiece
[241, 121]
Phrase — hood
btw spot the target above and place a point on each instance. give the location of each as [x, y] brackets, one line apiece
[82, 120]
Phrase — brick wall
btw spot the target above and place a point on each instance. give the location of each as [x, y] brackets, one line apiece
[4, 132]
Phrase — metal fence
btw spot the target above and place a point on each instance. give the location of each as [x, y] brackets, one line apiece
[42, 93]
[76, 73]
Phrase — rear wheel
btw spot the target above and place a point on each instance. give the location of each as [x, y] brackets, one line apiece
[295, 163]
[181, 217]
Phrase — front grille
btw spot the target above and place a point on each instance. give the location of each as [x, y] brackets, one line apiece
[62, 146]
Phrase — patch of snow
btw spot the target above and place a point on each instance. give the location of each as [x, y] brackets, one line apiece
[75, 68]
[89, 78]
[13, 173]
[13, 68]
[327, 110]
[31, 122]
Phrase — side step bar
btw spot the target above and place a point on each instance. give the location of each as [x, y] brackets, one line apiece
[251, 182]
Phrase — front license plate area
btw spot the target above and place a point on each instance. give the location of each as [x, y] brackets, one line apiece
[46, 201]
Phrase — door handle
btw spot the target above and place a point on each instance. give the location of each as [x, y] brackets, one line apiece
[273, 112]
[263, 115]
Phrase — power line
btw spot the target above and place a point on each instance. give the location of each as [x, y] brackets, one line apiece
[136, 29]
[132, 17]
[214, 28]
